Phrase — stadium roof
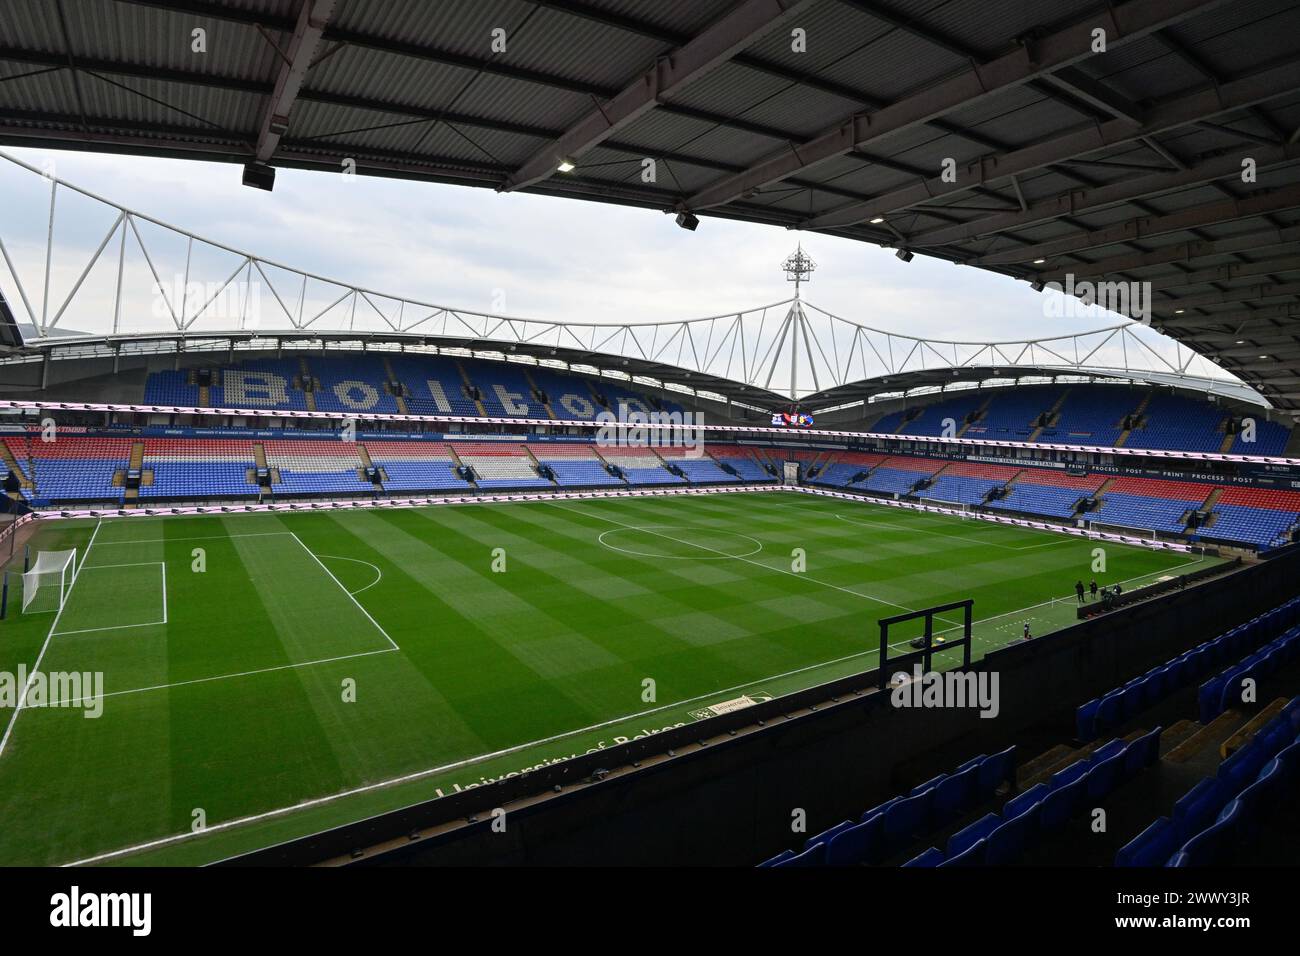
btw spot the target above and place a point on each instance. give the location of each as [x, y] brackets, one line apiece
[1123, 166]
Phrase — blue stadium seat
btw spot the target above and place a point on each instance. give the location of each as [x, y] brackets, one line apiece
[965, 838]
[930, 858]
[857, 844]
[1008, 842]
[1213, 844]
[813, 856]
[995, 770]
[954, 795]
[972, 856]
[1152, 847]
[1027, 803]
[905, 819]
[1104, 777]
[1061, 804]
[1143, 752]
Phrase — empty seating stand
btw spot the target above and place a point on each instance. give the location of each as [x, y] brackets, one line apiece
[640, 466]
[431, 384]
[500, 465]
[576, 466]
[1258, 516]
[1089, 415]
[899, 474]
[79, 468]
[316, 466]
[1103, 714]
[1220, 815]
[198, 468]
[409, 466]
[1042, 491]
[1177, 422]
[742, 462]
[889, 828]
[1150, 504]
[967, 482]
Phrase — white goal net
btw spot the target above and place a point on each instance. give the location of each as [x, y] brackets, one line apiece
[47, 582]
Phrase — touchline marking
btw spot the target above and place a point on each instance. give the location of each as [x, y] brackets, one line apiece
[379, 575]
[1069, 597]
[36, 667]
[262, 670]
[954, 537]
[757, 564]
[445, 768]
[346, 591]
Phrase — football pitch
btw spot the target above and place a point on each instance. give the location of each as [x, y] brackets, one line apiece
[266, 676]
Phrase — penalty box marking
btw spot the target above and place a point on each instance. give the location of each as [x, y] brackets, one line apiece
[262, 670]
[161, 565]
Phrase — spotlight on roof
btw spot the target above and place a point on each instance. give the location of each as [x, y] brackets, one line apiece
[259, 176]
[566, 166]
[904, 255]
[688, 221]
[1179, 311]
[1241, 341]
[878, 220]
[1039, 262]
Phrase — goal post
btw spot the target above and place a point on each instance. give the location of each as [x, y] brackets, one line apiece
[961, 507]
[49, 579]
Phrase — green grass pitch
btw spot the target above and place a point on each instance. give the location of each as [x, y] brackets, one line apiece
[228, 644]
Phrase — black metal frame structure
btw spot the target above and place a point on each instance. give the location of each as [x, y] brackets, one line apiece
[1123, 165]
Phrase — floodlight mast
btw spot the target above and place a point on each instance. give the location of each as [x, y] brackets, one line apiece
[798, 268]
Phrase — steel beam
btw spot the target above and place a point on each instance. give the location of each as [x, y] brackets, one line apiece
[1096, 94]
[670, 75]
[1134, 230]
[1265, 84]
[303, 44]
[1182, 252]
[1249, 293]
[1228, 273]
[1044, 55]
[1078, 201]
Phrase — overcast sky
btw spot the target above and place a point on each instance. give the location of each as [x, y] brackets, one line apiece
[515, 253]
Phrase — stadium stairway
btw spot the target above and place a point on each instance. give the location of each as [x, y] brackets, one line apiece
[470, 388]
[11, 462]
[1134, 418]
[402, 407]
[541, 394]
[1053, 414]
[979, 412]
[308, 394]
